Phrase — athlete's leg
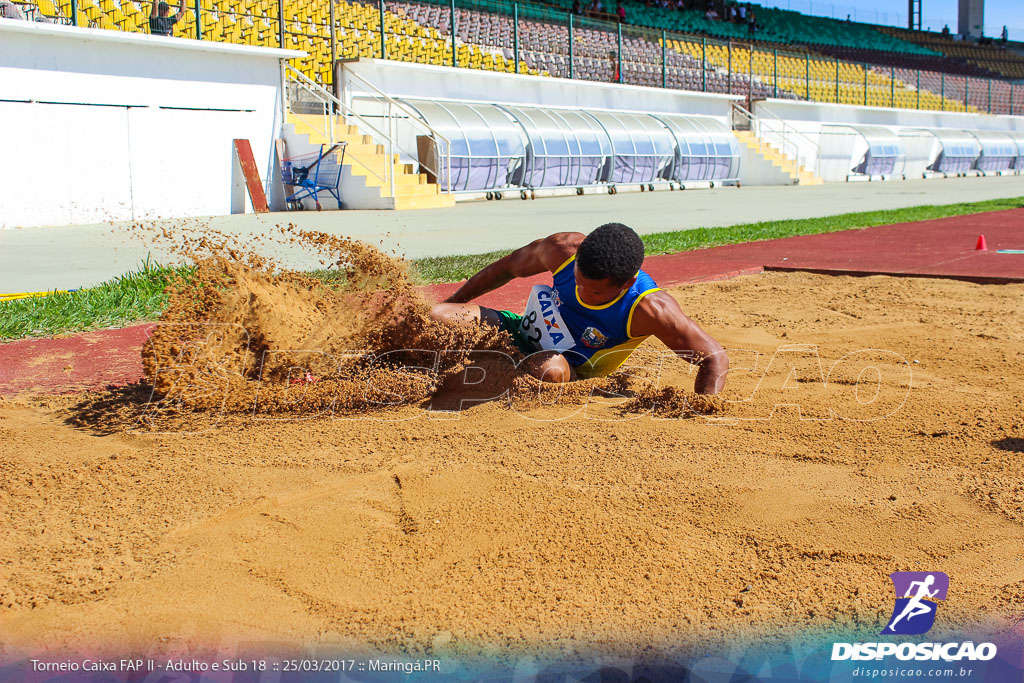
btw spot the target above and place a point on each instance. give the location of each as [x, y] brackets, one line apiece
[465, 314]
[548, 366]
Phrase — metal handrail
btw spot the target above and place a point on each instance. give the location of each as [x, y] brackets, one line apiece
[310, 86]
[781, 136]
[388, 136]
[412, 117]
[788, 127]
[399, 105]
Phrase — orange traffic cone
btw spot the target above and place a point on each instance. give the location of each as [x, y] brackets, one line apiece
[981, 246]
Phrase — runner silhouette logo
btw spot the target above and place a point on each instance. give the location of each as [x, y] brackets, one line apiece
[917, 593]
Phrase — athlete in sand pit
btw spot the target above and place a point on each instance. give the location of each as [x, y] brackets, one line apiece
[915, 607]
[608, 304]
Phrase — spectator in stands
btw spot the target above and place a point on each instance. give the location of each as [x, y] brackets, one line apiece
[621, 11]
[1005, 36]
[577, 8]
[8, 10]
[751, 22]
[711, 14]
[945, 30]
[160, 24]
[613, 55]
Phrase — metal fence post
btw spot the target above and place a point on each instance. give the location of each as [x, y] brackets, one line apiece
[455, 59]
[1011, 98]
[837, 80]
[807, 67]
[333, 18]
[942, 92]
[284, 90]
[892, 86]
[750, 76]
[280, 23]
[383, 46]
[664, 62]
[730, 67]
[967, 91]
[865, 85]
[572, 72]
[618, 63]
[990, 96]
[704, 63]
[74, 12]
[199, 21]
[775, 70]
[918, 88]
[515, 33]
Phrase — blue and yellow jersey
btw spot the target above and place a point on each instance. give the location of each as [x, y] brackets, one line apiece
[602, 334]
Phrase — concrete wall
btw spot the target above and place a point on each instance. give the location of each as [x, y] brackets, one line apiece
[101, 125]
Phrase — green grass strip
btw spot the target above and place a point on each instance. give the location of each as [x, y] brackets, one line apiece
[456, 268]
[138, 296]
[134, 297]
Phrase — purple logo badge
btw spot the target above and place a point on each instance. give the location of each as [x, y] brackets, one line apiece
[916, 595]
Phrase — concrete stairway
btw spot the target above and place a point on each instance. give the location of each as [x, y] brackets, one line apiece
[363, 168]
[774, 167]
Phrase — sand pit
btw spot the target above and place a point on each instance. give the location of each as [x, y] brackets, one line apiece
[572, 525]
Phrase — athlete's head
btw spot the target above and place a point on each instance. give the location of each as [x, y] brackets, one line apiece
[607, 262]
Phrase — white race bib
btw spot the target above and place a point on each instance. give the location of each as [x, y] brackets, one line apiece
[542, 324]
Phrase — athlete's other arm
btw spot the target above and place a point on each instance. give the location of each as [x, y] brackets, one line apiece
[538, 256]
[659, 314]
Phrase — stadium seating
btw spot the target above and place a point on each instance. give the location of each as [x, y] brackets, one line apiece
[785, 26]
[994, 59]
[978, 91]
[827, 80]
[307, 27]
[421, 32]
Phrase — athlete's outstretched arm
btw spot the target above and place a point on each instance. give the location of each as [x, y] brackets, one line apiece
[659, 314]
[536, 257]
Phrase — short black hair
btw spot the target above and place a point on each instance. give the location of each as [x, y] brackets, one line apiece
[611, 252]
[164, 7]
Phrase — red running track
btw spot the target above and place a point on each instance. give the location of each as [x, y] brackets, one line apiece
[940, 248]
